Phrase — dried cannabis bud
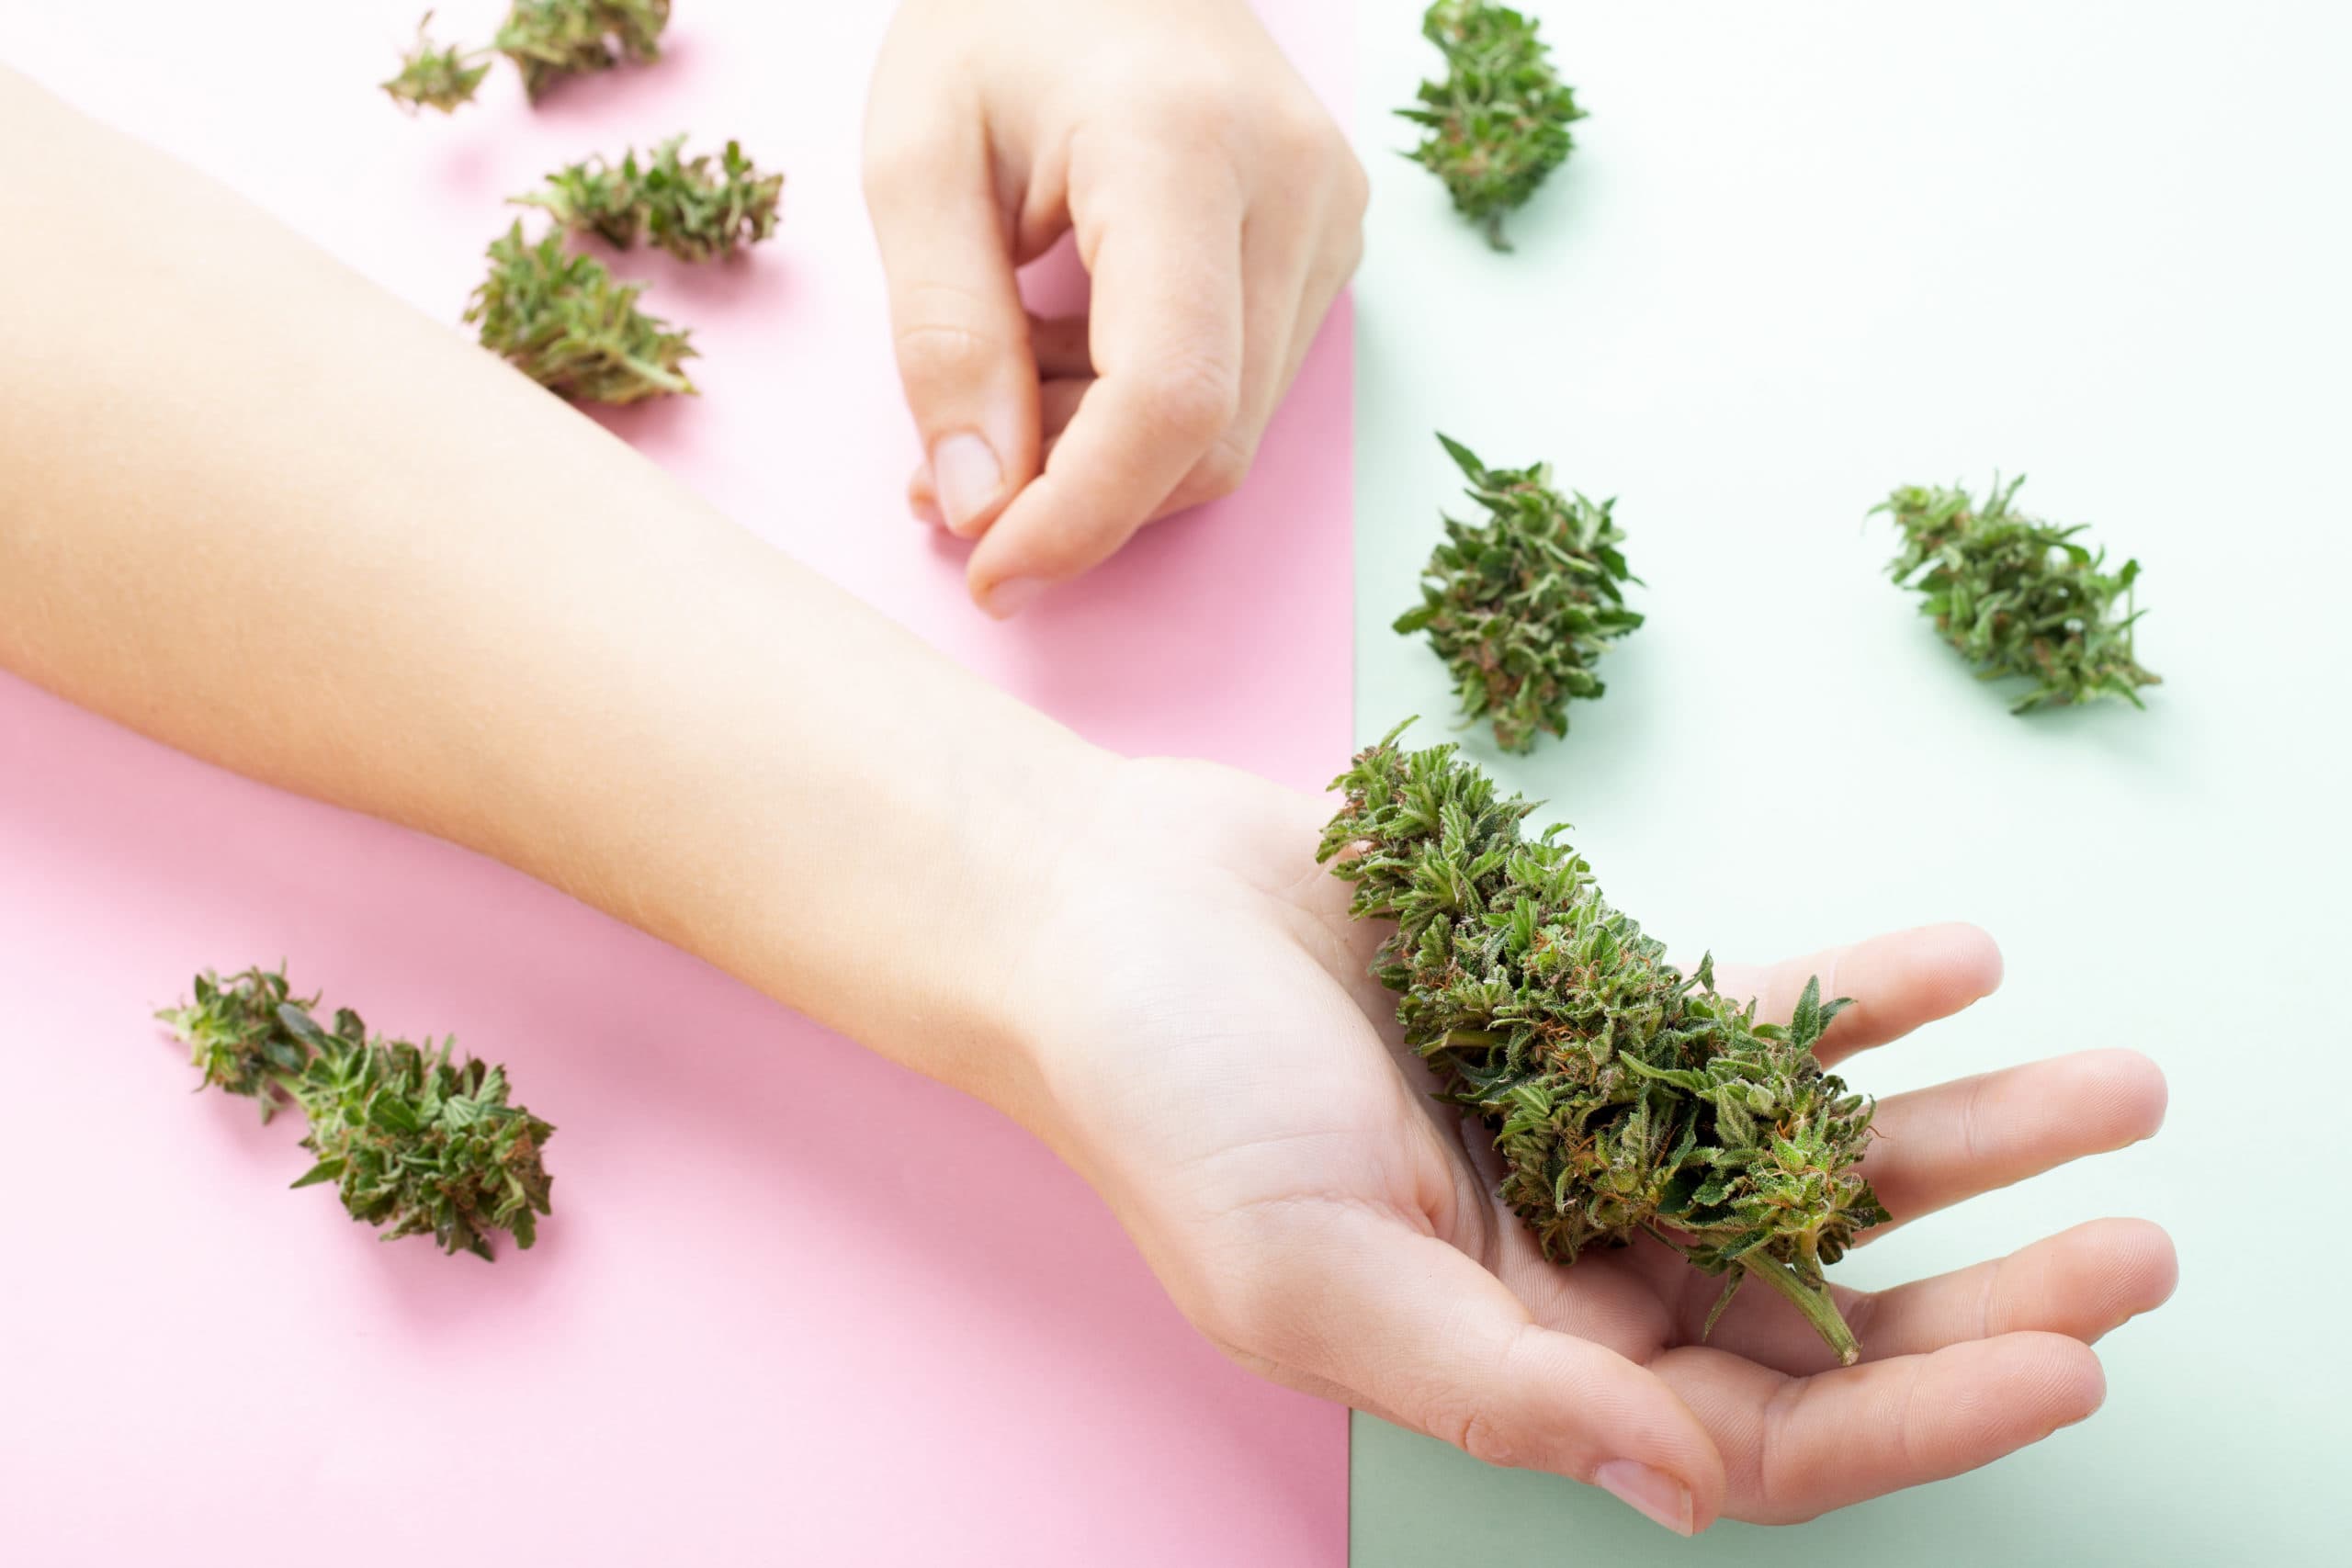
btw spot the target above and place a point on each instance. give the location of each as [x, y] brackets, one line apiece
[548, 39]
[438, 78]
[684, 206]
[565, 323]
[2020, 597]
[1624, 1096]
[1520, 606]
[1498, 125]
[416, 1143]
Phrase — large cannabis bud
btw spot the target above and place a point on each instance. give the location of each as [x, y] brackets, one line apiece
[564, 321]
[548, 39]
[433, 77]
[1624, 1097]
[686, 206]
[416, 1143]
[2020, 597]
[1497, 124]
[1521, 603]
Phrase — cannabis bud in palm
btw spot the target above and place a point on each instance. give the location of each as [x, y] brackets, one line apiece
[416, 1142]
[1498, 125]
[1521, 603]
[688, 206]
[548, 39]
[2020, 597]
[1624, 1097]
[433, 77]
[564, 321]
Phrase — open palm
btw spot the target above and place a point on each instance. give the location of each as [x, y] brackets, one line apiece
[1223, 1069]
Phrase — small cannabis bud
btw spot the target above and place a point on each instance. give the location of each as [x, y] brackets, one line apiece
[417, 1144]
[1519, 604]
[1499, 123]
[563, 321]
[2020, 597]
[1626, 1098]
[684, 206]
[548, 39]
[438, 78]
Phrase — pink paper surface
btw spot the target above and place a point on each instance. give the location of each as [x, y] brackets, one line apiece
[794, 1306]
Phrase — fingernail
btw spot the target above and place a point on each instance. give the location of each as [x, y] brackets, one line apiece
[1011, 597]
[967, 475]
[1652, 1493]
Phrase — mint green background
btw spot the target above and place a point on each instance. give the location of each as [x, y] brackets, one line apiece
[1806, 252]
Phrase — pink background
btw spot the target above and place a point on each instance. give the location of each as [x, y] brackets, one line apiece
[794, 1306]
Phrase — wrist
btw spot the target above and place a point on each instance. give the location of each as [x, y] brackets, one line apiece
[1017, 815]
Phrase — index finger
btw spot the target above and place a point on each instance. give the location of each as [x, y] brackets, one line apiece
[1166, 341]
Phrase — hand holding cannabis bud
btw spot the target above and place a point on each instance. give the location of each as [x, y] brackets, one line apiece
[1216, 208]
[1272, 1142]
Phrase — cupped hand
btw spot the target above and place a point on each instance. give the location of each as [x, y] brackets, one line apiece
[1218, 210]
[1219, 1064]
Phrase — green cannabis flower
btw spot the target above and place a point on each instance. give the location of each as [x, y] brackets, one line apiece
[2020, 597]
[1497, 124]
[417, 1144]
[1626, 1098]
[563, 321]
[548, 39]
[684, 206]
[438, 78]
[1520, 606]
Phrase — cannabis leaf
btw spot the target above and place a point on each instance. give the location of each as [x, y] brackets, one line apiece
[1521, 603]
[2020, 597]
[417, 1143]
[1498, 123]
[687, 207]
[562, 321]
[1624, 1097]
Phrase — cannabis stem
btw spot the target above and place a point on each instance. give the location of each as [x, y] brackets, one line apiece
[1624, 1096]
[1814, 1301]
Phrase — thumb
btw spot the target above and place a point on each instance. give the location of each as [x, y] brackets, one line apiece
[957, 319]
[1418, 1332]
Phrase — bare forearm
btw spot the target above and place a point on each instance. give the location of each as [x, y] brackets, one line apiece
[259, 510]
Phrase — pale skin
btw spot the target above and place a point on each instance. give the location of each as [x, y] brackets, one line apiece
[1216, 208]
[434, 593]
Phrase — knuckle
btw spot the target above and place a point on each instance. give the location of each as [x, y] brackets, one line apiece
[1484, 1438]
[890, 170]
[1192, 104]
[944, 348]
[1299, 132]
[1244, 1303]
[1355, 189]
[1464, 1414]
[1194, 400]
[1220, 473]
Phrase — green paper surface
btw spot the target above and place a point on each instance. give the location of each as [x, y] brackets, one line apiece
[1801, 255]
